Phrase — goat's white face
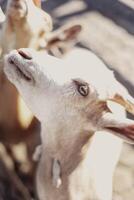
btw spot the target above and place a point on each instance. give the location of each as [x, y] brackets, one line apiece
[65, 95]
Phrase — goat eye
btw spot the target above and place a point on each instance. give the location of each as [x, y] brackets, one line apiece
[83, 90]
[82, 87]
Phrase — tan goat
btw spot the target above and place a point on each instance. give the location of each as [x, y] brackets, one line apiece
[25, 26]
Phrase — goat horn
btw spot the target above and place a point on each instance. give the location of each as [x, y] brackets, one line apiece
[126, 103]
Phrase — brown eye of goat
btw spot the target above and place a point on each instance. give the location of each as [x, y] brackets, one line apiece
[83, 89]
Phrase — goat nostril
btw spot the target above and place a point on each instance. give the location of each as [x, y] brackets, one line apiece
[24, 54]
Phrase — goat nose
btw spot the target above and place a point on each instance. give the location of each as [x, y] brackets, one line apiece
[25, 54]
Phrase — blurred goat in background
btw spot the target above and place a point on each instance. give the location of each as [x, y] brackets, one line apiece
[25, 25]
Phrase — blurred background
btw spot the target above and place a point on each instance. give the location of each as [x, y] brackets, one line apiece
[109, 33]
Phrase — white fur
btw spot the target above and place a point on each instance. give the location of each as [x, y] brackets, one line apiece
[66, 116]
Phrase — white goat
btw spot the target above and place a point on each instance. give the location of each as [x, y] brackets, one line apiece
[78, 102]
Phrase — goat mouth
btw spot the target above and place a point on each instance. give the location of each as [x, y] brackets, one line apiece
[21, 72]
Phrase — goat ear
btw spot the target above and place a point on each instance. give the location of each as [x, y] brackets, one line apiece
[119, 125]
[122, 127]
[64, 38]
[70, 33]
[37, 3]
[65, 33]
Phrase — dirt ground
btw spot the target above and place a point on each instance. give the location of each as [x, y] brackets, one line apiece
[109, 33]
